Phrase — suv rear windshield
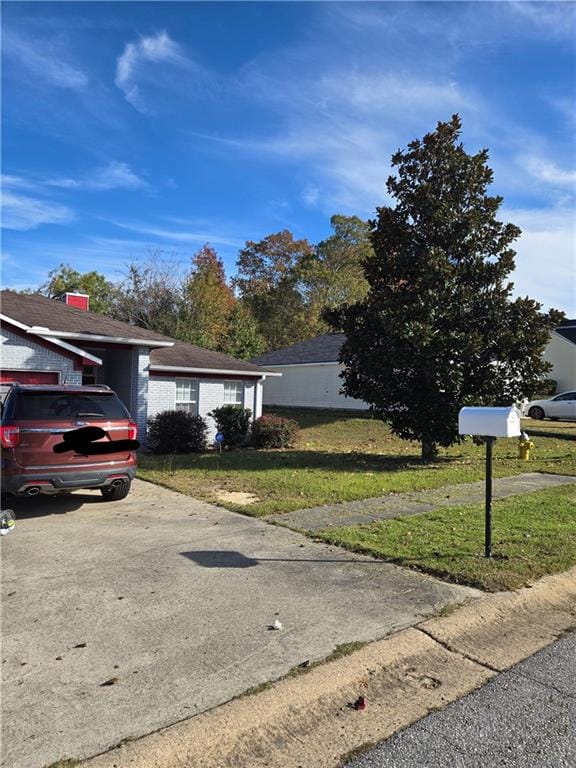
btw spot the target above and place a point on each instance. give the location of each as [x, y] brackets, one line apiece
[55, 406]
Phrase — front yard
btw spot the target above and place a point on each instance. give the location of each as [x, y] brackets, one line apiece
[344, 457]
[532, 535]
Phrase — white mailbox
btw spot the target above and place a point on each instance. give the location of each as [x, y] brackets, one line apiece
[489, 422]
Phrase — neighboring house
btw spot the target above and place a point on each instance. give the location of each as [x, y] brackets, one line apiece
[47, 341]
[561, 353]
[310, 370]
[310, 375]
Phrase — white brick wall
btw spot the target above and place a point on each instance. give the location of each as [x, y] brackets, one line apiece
[162, 397]
[19, 353]
[140, 388]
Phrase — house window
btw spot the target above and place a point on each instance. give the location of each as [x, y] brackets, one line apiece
[89, 374]
[233, 393]
[187, 395]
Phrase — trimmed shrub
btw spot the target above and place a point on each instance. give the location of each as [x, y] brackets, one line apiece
[234, 423]
[176, 432]
[274, 432]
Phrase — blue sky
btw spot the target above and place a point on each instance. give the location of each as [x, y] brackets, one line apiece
[134, 127]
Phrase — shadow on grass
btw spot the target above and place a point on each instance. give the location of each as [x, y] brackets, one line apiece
[255, 461]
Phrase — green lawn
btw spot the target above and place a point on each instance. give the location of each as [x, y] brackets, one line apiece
[343, 457]
[532, 535]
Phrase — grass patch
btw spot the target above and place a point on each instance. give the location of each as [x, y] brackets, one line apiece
[532, 535]
[343, 456]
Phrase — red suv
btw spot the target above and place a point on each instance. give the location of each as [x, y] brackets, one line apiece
[36, 418]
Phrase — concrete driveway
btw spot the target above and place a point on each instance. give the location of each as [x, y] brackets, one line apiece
[121, 618]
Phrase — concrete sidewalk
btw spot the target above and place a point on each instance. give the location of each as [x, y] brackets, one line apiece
[122, 618]
[404, 504]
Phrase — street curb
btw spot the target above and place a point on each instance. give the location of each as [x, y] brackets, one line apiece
[310, 720]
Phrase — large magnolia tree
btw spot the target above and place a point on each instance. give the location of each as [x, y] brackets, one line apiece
[438, 329]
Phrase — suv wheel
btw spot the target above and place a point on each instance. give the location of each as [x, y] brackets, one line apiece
[116, 492]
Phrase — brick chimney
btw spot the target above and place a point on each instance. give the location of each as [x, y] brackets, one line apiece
[77, 300]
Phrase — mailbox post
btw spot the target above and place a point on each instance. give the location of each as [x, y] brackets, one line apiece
[489, 423]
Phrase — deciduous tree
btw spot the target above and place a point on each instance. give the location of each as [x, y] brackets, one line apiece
[334, 274]
[208, 301]
[65, 279]
[151, 295]
[268, 281]
[243, 339]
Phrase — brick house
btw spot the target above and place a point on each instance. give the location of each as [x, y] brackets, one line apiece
[48, 341]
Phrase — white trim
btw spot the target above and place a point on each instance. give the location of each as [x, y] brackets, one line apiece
[72, 348]
[181, 369]
[40, 331]
[56, 342]
[294, 365]
[559, 336]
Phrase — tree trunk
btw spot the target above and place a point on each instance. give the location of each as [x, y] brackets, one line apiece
[429, 451]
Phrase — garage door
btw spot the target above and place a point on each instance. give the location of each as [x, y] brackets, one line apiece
[30, 377]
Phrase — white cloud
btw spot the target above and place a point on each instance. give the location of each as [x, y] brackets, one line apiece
[115, 175]
[43, 60]
[344, 126]
[310, 195]
[553, 17]
[550, 172]
[179, 236]
[147, 50]
[546, 256]
[21, 212]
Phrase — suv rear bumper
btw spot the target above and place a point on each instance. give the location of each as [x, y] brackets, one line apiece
[65, 481]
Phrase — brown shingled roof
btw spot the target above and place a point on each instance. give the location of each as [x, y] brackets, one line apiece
[32, 309]
[186, 355]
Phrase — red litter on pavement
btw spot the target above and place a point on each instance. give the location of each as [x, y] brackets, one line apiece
[360, 704]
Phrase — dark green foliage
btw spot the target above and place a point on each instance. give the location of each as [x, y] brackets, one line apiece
[176, 432]
[271, 431]
[268, 284]
[233, 422]
[65, 279]
[547, 388]
[243, 340]
[438, 329]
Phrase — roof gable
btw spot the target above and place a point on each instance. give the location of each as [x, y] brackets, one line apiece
[35, 310]
[321, 349]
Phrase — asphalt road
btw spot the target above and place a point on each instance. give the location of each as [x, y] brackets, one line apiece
[525, 718]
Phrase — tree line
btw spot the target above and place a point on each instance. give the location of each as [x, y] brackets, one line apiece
[278, 296]
[422, 293]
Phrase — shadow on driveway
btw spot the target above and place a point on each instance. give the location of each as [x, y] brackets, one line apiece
[231, 559]
[43, 505]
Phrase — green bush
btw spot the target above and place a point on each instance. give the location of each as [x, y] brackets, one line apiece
[274, 432]
[233, 422]
[547, 388]
[176, 432]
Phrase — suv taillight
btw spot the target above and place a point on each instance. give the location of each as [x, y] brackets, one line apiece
[9, 436]
[132, 431]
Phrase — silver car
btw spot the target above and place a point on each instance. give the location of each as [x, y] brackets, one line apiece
[561, 406]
